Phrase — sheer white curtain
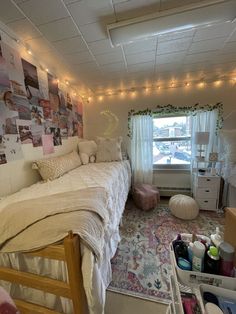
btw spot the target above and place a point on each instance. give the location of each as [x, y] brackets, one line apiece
[205, 121]
[141, 148]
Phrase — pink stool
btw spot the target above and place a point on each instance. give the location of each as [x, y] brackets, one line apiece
[145, 196]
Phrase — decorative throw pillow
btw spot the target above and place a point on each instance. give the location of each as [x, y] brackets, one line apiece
[87, 151]
[55, 167]
[109, 149]
[229, 144]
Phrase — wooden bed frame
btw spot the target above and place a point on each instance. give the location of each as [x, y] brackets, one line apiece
[69, 252]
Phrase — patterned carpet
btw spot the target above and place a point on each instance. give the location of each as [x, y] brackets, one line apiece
[141, 266]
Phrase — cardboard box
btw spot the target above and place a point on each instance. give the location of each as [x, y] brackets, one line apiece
[230, 229]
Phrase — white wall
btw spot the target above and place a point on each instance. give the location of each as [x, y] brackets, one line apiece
[95, 123]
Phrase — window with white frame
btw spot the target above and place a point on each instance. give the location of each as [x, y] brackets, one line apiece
[172, 142]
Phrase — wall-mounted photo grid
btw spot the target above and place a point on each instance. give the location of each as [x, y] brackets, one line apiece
[33, 108]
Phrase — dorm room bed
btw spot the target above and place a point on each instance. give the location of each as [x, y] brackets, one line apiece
[76, 268]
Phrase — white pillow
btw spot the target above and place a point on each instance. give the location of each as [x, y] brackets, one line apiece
[109, 149]
[87, 151]
[229, 144]
[55, 167]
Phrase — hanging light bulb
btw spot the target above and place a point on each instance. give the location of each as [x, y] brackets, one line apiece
[187, 84]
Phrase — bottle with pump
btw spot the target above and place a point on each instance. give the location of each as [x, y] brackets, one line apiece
[216, 238]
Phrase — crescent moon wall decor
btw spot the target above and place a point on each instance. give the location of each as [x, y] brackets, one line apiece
[112, 122]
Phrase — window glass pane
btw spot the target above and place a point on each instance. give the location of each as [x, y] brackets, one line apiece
[172, 141]
[171, 127]
[178, 152]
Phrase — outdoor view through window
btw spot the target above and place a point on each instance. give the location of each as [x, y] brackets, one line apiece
[172, 141]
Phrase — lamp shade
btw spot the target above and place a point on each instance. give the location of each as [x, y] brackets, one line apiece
[202, 138]
[193, 15]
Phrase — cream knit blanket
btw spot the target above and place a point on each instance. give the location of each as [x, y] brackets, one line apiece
[38, 222]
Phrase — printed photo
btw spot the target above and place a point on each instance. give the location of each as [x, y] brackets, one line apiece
[47, 142]
[4, 78]
[13, 148]
[14, 68]
[23, 107]
[3, 159]
[37, 115]
[25, 134]
[37, 132]
[56, 133]
[54, 102]
[47, 111]
[30, 74]
[52, 84]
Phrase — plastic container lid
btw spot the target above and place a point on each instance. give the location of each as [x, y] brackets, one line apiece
[199, 249]
[184, 264]
[211, 308]
[226, 251]
[214, 251]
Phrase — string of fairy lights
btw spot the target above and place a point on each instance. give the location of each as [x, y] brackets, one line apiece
[155, 89]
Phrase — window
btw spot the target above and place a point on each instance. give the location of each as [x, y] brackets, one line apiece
[172, 142]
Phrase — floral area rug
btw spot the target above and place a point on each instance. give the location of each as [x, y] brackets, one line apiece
[141, 265]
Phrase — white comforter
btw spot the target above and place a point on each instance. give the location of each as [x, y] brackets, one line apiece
[115, 178]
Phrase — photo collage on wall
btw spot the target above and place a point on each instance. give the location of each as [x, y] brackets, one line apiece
[33, 108]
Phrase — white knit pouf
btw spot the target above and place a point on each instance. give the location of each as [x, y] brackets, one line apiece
[183, 207]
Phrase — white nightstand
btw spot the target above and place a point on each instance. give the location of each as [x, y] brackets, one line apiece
[206, 190]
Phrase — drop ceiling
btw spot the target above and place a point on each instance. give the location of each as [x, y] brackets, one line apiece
[71, 35]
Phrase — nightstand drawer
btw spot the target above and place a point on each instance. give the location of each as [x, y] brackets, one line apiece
[206, 193]
[208, 181]
[209, 204]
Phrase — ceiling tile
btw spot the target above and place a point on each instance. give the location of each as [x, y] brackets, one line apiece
[39, 44]
[110, 57]
[9, 12]
[71, 1]
[141, 57]
[199, 57]
[93, 32]
[214, 31]
[146, 66]
[176, 35]
[43, 11]
[116, 66]
[167, 67]
[86, 67]
[24, 29]
[207, 45]
[174, 45]
[232, 37]
[70, 45]
[19, 1]
[79, 57]
[229, 47]
[170, 4]
[60, 29]
[86, 13]
[134, 8]
[141, 46]
[170, 58]
[102, 46]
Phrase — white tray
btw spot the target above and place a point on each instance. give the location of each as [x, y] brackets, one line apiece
[193, 279]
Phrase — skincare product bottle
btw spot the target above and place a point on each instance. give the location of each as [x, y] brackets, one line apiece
[198, 256]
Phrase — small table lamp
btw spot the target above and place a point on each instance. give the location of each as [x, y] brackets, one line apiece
[201, 138]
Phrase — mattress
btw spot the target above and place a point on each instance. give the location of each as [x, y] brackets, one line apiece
[115, 177]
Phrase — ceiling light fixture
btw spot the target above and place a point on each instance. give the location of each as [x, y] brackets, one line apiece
[207, 12]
